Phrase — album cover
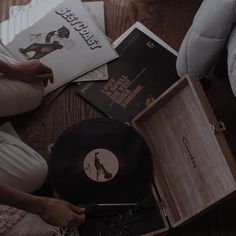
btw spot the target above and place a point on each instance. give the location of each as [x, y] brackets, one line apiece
[145, 69]
[67, 39]
[96, 10]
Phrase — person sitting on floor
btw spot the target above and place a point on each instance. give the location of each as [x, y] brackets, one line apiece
[22, 170]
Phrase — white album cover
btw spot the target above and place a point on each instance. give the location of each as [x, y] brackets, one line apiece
[66, 39]
[96, 10]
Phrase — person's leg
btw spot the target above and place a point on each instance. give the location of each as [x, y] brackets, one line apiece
[15, 96]
[20, 166]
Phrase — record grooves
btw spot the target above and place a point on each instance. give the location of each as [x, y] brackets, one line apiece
[101, 161]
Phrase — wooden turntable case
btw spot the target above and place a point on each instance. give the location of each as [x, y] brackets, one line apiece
[193, 165]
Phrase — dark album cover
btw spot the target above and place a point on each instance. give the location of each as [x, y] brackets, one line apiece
[145, 69]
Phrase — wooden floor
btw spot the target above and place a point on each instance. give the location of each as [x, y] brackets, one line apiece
[170, 20]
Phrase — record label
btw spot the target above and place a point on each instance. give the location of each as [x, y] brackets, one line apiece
[101, 165]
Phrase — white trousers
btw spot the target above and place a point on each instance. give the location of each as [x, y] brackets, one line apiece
[20, 166]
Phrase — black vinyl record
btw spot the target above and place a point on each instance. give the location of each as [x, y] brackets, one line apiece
[101, 161]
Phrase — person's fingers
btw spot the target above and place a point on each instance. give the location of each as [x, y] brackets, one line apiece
[44, 68]
[51, 79]
[77, 220]
[77, 209]
[45, 83]
[45, 77]
[48, 76]
[81, 218]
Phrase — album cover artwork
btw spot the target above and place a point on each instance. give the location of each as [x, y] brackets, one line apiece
[145, 69]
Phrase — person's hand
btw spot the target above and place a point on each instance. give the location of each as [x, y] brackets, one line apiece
[61, 213]
[29, 71]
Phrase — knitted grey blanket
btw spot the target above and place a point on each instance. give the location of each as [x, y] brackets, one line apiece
[9, 216]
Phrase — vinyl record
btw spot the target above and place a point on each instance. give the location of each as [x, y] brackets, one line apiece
[101, 161]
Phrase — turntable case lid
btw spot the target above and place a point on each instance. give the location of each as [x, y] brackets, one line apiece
[193, 165]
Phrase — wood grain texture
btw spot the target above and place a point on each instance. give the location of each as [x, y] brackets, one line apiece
[191, 171]
[169, 19]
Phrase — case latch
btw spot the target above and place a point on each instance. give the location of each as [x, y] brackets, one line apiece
[219, 127]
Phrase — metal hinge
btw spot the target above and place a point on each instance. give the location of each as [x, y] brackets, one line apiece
[219, 127]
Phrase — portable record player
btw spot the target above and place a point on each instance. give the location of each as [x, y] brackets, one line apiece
[193, 165]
